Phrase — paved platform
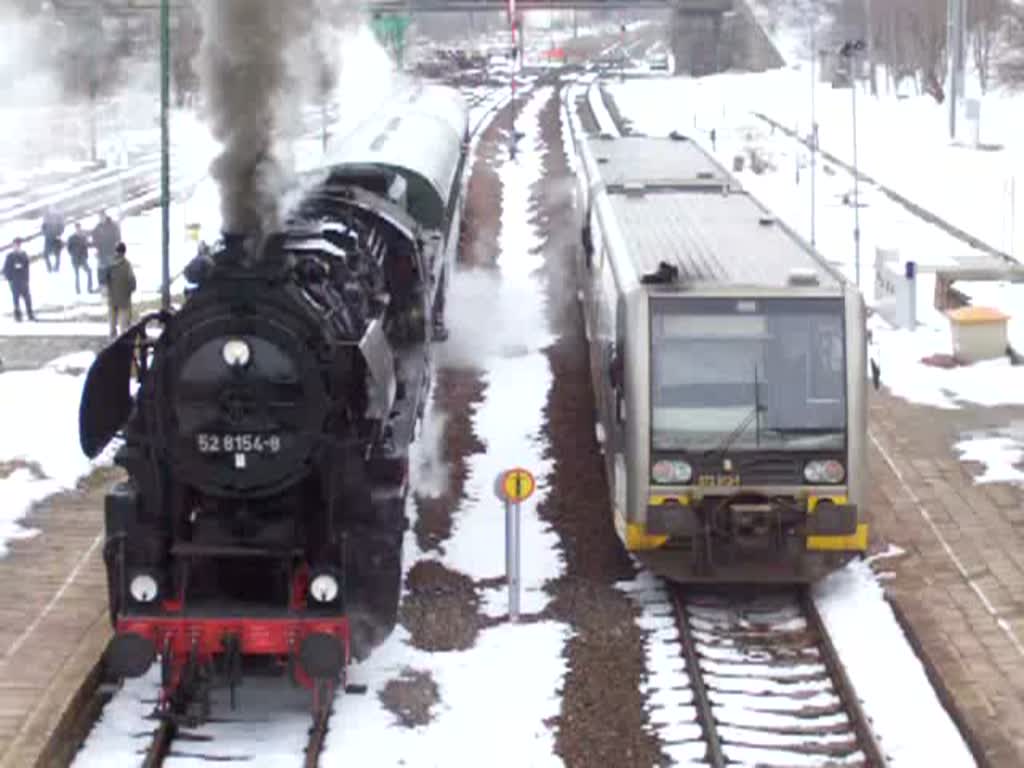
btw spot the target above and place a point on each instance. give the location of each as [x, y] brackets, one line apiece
[53, 620]
[960, 585]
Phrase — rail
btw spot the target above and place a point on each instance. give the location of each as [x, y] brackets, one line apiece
[772, 649]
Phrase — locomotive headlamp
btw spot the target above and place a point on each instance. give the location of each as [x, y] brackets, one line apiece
[236, 353]
[830, 471]
[323, 588]
[674, 471]
[143, 588]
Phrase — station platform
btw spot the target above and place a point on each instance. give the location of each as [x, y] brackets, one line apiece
[53, 624]
[959, 585]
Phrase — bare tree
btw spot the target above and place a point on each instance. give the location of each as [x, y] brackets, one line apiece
[984, 20]
[1011, 61]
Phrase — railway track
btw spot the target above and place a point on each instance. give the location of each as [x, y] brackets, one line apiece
[764, 685]
[274, 717]
[170, 742]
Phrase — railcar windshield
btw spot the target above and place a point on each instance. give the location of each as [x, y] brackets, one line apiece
[749, 374]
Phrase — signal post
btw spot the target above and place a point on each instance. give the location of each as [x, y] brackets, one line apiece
[513, 486]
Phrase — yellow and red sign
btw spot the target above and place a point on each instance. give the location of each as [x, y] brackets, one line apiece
[517, 484]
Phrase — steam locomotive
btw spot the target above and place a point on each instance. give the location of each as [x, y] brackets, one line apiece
[266, 443]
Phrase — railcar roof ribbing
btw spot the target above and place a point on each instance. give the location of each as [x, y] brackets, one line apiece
[654, 161]
[674, 203]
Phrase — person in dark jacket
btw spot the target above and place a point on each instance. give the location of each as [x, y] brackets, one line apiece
[53, 231]
[120, 287]
[16, 272]
[105, 238]
[78, 250]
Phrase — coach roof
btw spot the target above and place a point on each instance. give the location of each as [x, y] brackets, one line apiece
[673, 203]
[631, 160]
[418, 135]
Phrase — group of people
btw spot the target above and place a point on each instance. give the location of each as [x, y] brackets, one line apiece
[113, 271]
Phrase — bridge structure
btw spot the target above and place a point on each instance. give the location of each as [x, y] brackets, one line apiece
[705, 35]
[697, 26]
[685, 7]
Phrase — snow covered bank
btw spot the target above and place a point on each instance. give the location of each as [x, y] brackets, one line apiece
[505, 687]
[39, 452]
[888, 677]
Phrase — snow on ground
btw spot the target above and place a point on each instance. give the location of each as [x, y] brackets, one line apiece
[504, 688]
[668, 696]
[269, 728]
[723, 103]
[494, 701]
[889, 679]
[516, 374]
[39, 439]
[903, 141]
[1002, 456]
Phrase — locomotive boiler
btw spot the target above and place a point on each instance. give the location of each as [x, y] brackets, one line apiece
[266, 442]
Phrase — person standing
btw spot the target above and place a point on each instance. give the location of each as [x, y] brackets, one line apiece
[78, 250]
[16, 272]
[53, 231]
[120, 287]
[105, 238]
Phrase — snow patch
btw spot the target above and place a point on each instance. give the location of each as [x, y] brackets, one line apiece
[888, 677]
[1002, 457]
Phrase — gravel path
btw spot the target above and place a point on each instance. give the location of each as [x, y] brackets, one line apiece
[602, 722]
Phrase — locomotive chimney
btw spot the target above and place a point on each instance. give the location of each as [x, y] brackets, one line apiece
[234, 250]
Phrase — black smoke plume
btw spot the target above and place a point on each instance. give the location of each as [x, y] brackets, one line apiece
[256, 66]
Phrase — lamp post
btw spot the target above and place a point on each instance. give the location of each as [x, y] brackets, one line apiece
[849, 51]
[814, 128]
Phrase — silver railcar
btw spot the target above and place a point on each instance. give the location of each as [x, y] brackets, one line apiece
[728, 364]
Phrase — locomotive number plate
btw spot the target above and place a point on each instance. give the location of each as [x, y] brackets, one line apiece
[245, 442]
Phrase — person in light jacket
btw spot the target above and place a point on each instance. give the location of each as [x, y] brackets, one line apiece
[120, 287]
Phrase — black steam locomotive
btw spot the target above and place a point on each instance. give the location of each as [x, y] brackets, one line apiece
[267, 441]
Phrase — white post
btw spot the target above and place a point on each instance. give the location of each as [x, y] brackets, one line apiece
[1013, 216]
[856, 187]
[512, 558]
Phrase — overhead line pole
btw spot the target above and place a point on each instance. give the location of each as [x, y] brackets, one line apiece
[814, 125]
[165, 153]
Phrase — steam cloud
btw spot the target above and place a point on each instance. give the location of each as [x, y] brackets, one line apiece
[259, 62]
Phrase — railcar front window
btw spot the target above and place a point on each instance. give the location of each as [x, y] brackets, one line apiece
[759, 374]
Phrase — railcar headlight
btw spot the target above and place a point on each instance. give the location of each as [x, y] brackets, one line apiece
[674, 471]
[324, 588]
[830, 471]
[236, 353]
[144, 588]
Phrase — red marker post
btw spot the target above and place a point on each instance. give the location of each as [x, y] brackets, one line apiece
[513, 486]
